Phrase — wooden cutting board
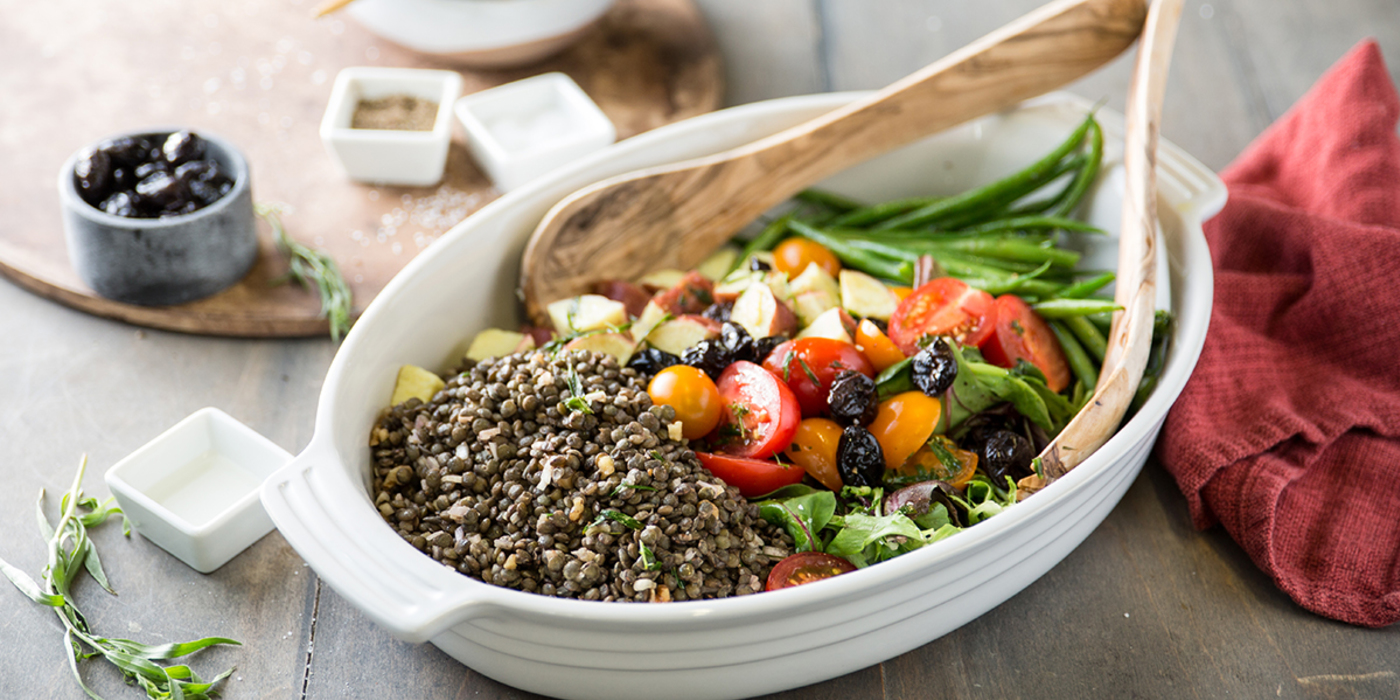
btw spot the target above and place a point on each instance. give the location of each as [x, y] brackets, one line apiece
[259, 73]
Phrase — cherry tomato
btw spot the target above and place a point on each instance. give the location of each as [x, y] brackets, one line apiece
[904, 424]
[806, 567]
[693, 294]
[793, 255]
[902, 292]
[753, 477]
[692, 394]
[945, 306]
[928, 461]
[814, 448]
[760, 413]
[809, 365]
[878, 348]
[1021, 334]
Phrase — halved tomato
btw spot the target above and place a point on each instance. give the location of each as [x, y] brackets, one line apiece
[806, 567]
[945, 306]
[753, 477]
[810, 365]
[1019, 333]
[759, 414]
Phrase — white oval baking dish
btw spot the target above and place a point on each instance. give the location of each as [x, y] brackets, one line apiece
[733, 647]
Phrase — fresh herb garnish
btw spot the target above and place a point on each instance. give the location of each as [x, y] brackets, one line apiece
[810, 374]
[308, 266]
[71, 552]
[576, 401]
[648, 558]
[617, 516]
[635, 487]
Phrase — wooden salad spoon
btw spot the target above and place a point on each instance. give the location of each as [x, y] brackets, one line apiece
[673, 216]
[1130, 338]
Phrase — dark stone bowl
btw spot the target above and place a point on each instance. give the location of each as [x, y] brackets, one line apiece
[160, 262]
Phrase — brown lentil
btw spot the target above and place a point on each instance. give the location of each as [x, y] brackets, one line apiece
[502, 478]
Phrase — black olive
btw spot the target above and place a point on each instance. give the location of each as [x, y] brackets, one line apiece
[127, 151]
[1006, 454]
[757, 265]
[163, 189]
[852, 398]
[859, 459]
[708, 356]
[935, 368]
[718, 311]
[763, 347]
[736, 341]
[122, 204]
[651, 361]
[181, 147]
[94, 176]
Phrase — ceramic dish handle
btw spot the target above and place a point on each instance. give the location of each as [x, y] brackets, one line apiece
[323, 517]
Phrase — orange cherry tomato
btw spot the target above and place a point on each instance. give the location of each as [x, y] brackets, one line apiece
[814, 448]
[806, 567]
[793, 255]
[1019, 333]
[878, 348]
[945, 306]
[927, 461]
[695, 398]
[904, 424]
[902, 292]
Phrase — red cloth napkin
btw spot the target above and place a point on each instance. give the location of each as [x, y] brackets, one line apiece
[1288, 433]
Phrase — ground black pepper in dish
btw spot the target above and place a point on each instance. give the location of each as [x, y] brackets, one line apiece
[508, 479]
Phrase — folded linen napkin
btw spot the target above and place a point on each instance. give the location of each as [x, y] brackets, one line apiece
[1288, 433]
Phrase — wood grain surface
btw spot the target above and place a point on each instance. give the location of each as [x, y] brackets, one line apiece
[673, 216]
[259, 73]
[1146, 607]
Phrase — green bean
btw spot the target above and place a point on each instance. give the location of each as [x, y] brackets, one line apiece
[1030, 223]
[1086, 176]
[1011, 250]
[829, 200]
[1065, 308]
[1027, 284]
[1003, 191]
[1083, 289]
[1104, 321]
[1079, 361]
[1040, 206]
[997, 208]
[765, 240]
[1162, 324]
[878, 262]
[876, 213]
[1088, 335]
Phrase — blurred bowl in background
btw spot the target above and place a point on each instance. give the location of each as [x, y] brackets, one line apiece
[481, 33]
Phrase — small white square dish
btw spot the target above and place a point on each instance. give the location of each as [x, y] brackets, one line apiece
[193, 490]
[522, 130]
[399, 154]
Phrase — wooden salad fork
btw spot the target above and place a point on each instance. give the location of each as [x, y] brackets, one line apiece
[673, 216]
[1130, 338]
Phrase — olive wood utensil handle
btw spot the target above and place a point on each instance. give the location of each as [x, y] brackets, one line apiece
[1130, 338]
[673, 216]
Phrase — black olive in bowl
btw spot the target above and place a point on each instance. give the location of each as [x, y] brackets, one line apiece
[158, 217]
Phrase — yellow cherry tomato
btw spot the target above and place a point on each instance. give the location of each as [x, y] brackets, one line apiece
[902, 292]
[814, 448]
[904, 424]
[878, 348]
[930, 462]
[694, 396]
[793, 255]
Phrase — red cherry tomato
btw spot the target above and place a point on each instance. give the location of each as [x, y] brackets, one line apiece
[809, 365]
[945, 306]
[759, 416]
[806, 567]
[1019, 333]
[753, 477]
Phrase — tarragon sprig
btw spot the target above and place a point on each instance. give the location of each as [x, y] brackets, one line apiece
[71, 553]
[308, 266]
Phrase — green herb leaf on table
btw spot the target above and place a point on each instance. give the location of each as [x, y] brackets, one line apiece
[70, 553]
[307, 267]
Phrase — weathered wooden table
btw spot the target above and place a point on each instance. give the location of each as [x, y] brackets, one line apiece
[1146, 607]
